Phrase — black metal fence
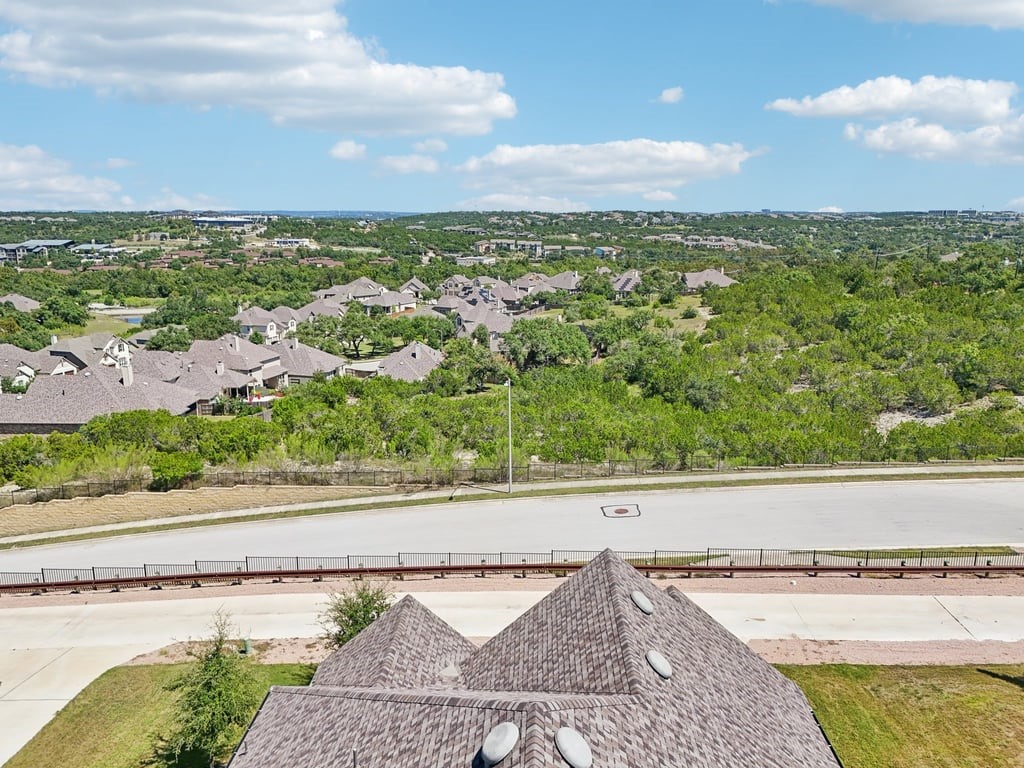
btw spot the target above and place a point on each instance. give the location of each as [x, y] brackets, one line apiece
[383, 478]
[717, 559]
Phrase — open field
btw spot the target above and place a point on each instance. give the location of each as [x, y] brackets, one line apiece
[113, 722]
[908, 717]
[65, 514]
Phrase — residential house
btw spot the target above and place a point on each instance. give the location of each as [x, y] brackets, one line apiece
[359, 289]
[626, 283]
[257, 320]
[565, 281]
[287, 319]
[470, 318]
[304, 362]
[17, 365]
[696, 281]
[391, 302]
[453, 285]
[415, 286]
[20, 303]
[413, 362]
[606, 670]
[321, 308]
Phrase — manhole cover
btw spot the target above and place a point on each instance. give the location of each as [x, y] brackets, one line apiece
[621, 510]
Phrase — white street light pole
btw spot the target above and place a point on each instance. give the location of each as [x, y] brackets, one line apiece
[508, 384]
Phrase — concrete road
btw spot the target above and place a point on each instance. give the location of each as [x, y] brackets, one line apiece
[882, 514]
[48, 654]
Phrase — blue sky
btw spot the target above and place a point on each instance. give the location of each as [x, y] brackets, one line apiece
[419, 106]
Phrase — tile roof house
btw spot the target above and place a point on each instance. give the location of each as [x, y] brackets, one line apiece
[607, 670]
[697, 280]
[20, 303]
[413, 362]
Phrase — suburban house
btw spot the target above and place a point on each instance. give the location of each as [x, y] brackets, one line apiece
[696, 281]
[20, 303]
[467, 320]
[608, 670]
[321, 308]
[453, 286]
[626, 283]
[257, 320]
[17, 251]
[17, 365]
[359, 289]
[391, 302]
[414, 362]
[415, 286]
[304, 362]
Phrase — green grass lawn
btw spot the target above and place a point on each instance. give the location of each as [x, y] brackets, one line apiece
[910, 552]
[919, 717]
[100, 324]
[114, 723]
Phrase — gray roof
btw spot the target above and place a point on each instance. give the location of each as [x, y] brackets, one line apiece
[577, 659]
[696, 280]
[70, 401]
[305, 361]
[321, 308]
[565, 281]
[473, 316]
[255, 317]
[627, 281]
[389, 299]
[360, 288]
[413, 362]
[20, 303]
[414, 285]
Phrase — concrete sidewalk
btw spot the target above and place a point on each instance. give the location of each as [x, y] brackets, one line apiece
[50, 653]
[695, 478]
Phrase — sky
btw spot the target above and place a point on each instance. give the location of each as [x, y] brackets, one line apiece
[435, 105]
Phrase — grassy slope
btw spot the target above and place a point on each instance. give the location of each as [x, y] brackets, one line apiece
[910, 717]
[113, 723]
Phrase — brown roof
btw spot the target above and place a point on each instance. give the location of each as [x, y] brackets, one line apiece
[410, 694]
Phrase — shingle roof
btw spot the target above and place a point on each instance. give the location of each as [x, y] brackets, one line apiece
[577, 659]
[414, 362]
[305, 361]
[407, 647]
[707, 277]
[20, 303]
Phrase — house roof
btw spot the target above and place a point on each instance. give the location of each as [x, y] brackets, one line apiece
[359, 288]
[389, 299]
[305, 361]
[20, 303]
[413, 362]
[696, 280]
[255, 316]
[577, 659]
[321, 308]
[627, 281]
[74, 400]
[414, 285]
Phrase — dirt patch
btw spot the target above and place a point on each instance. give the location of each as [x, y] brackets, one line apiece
[68, 514]
[931, 652]
[286, 650]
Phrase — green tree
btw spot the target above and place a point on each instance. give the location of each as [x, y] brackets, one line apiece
[170, 340]
[216, 697]
[349, 613]
[545, 341]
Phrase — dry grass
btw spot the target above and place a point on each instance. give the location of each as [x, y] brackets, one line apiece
[69, 514]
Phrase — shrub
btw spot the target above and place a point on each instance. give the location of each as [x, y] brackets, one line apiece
[349, 613]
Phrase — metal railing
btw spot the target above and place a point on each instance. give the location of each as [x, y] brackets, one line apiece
[709, 561]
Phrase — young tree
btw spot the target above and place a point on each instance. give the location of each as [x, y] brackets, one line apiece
[217, 697]
[349, 613]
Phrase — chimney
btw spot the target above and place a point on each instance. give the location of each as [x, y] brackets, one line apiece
[416, 351]
[127, 374]
[236, 343]
[220, 368]
[53, 338]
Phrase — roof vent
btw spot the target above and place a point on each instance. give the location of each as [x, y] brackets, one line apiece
[641, 601]
[499, 743]
[573, 749]
[659, 664]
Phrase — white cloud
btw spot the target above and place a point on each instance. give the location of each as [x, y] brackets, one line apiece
[506, 202]
[409, 164]
[633, 167]
[117, 163]
[999, 14]
[430, 147]
[987, 144]
[296, 62]
[169, 200]
[830, 209]
[1017, 204]
[671, 95]
[348, 150]
[31, 179]
[659, 196]
[941, 98]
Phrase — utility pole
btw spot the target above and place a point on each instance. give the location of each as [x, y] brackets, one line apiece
[508, 383]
